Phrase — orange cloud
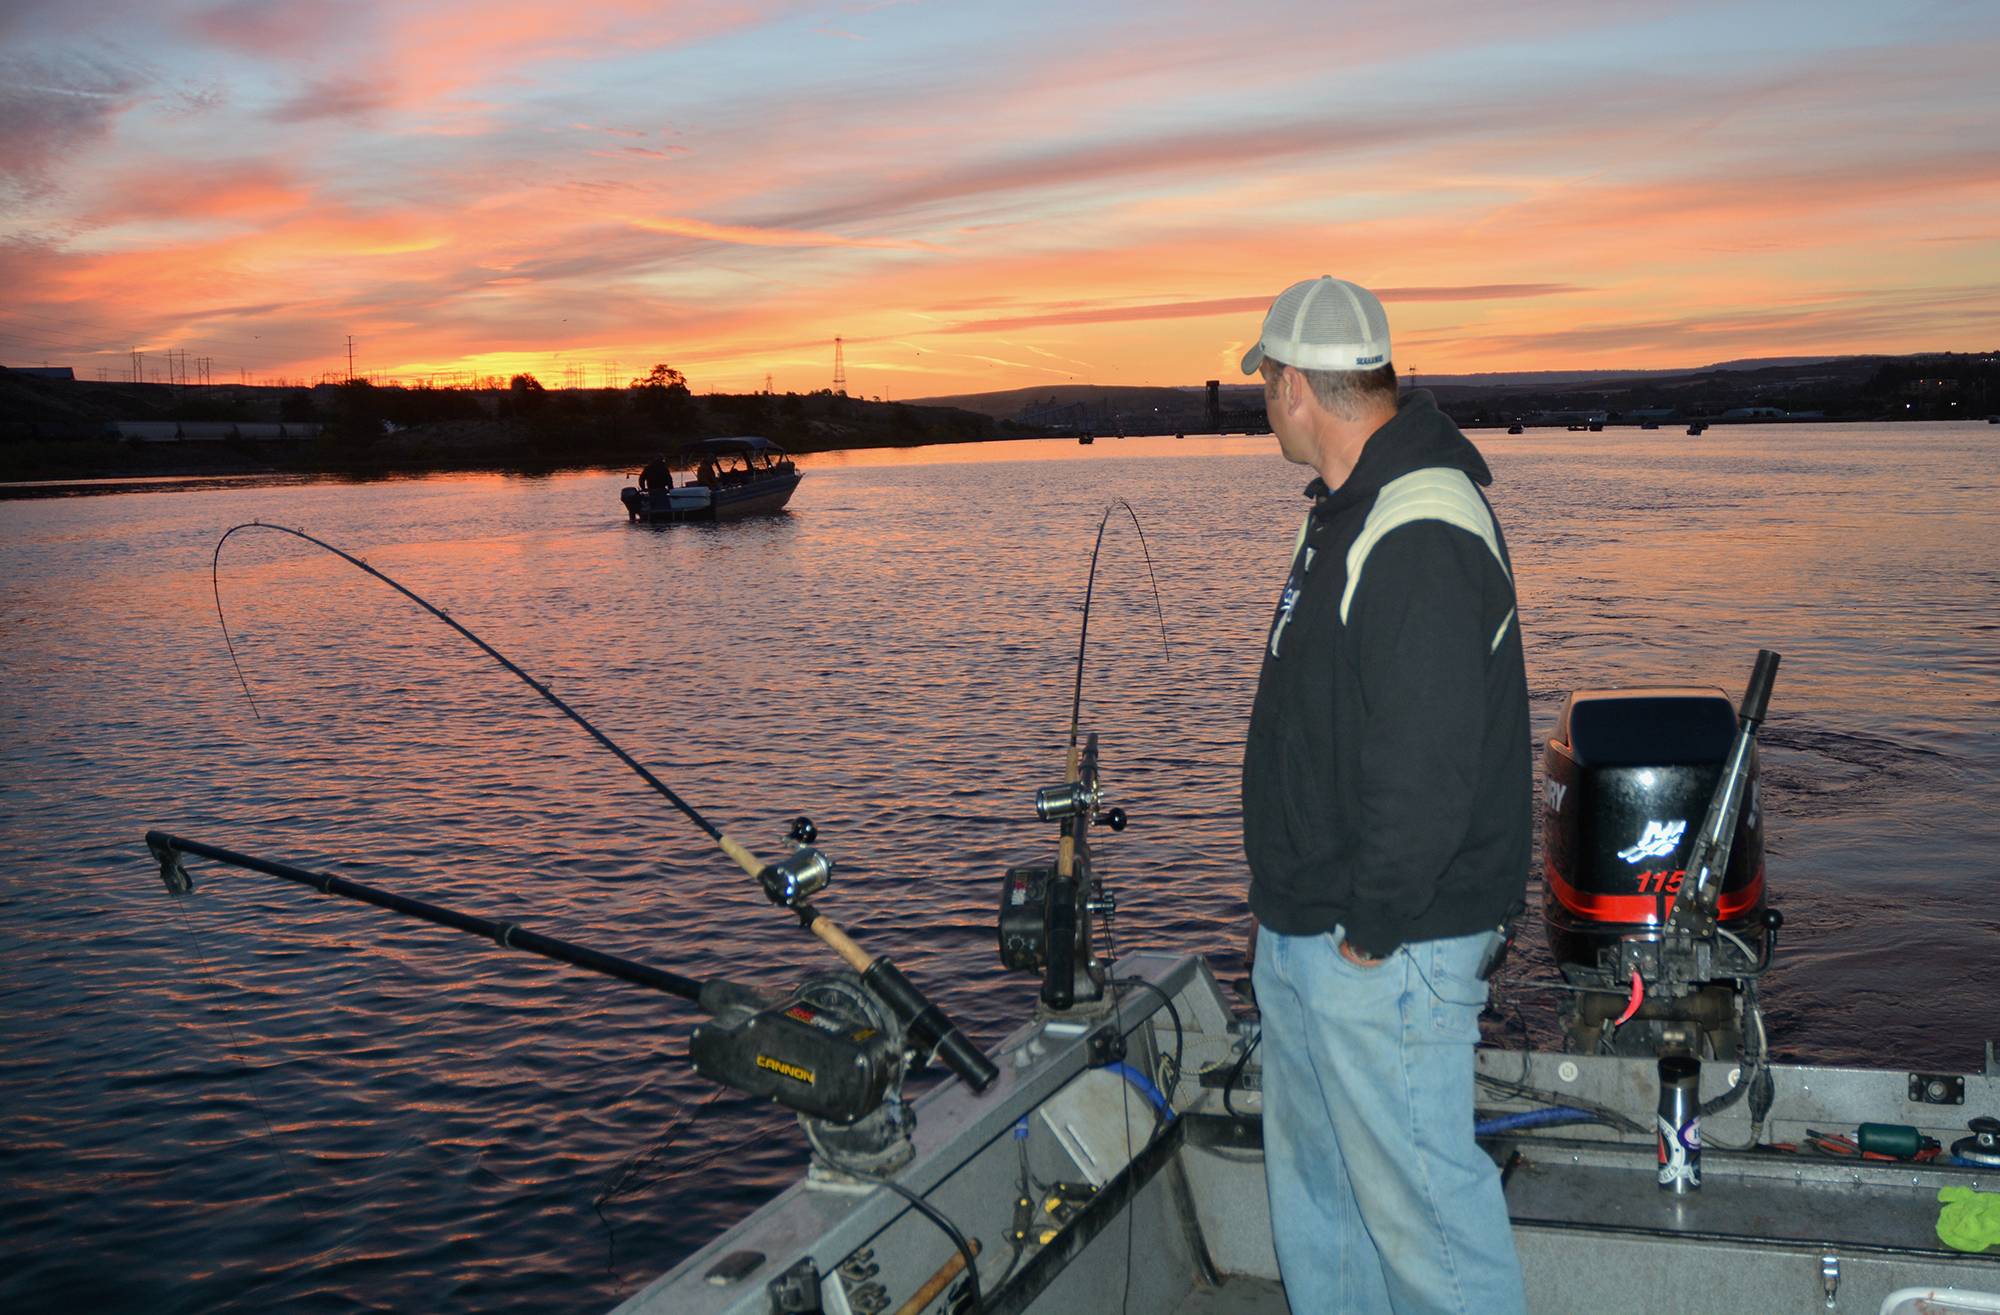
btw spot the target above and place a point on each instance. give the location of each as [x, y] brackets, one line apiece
[743, 235]
[1188, 310]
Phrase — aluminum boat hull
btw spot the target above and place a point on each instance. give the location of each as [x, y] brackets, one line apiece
[1182, 1224]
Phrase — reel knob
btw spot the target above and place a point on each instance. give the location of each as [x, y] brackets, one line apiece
[1773, 919]
[803, 831]
[1116, 819]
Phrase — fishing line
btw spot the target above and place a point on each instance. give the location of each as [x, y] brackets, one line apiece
[1125, 1298]
[637, 1164]
[215, 582]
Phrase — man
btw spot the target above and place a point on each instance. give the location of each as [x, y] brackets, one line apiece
[657, 479]
[1386, 806]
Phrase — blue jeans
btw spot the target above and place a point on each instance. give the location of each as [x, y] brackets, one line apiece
[1380, 1198]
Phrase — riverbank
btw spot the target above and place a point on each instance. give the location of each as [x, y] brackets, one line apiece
[57, 431]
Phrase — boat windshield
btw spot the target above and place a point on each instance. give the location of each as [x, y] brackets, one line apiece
[704, 463]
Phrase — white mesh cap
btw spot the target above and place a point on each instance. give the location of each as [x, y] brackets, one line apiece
[1323, 324]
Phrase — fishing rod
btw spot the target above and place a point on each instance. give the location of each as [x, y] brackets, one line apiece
[790, 882]
[1045, 912]
[826, 1048]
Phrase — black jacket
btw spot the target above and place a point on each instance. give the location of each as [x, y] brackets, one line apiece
[1387, 778]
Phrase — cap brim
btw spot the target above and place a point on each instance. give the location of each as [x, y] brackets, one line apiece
[1253, 358]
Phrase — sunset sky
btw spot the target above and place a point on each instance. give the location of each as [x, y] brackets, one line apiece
[983, 195]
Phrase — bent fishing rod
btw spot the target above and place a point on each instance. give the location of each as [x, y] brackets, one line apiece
[790, 882]
[1046, 927]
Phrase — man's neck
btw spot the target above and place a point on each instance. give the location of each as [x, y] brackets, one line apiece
[1341, 441]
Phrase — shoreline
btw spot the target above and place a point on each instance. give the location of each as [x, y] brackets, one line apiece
[274, 475]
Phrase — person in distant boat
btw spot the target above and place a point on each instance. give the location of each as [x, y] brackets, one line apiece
[1386, 813]
[657, 477]
[706, 477]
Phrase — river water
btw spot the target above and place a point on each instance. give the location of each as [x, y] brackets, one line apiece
[260, 1098]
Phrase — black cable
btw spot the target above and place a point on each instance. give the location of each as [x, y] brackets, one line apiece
[1603, 1112]
[1172, 1013]
[215, 584]
[936, 1216]
[1229, 1083]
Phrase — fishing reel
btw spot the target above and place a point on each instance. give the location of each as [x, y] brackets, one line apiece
[832, 1050]
[1047, 911]
[793, 881]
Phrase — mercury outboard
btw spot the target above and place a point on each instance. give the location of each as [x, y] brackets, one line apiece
[1642, 788]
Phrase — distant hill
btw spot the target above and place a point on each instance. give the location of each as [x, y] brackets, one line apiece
[1012, 403]
[1237, 393]
[1925, 385]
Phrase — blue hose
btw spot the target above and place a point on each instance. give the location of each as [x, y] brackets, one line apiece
[1532, 1119]
[1144, 1084]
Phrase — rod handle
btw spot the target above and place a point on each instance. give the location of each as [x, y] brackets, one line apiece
[1757, 697]
[746, 860]
[928, 1027]
[842, 944]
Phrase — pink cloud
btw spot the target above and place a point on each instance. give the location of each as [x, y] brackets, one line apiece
[296, 29]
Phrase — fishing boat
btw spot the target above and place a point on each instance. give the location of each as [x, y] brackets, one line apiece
[1117, 1160]
[1108, 1153]
[719, 479]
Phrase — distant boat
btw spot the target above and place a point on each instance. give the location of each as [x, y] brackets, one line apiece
[746, 476]
[1514, 428]
[1085, 439]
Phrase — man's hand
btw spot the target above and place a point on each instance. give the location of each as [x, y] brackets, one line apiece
[1355, 956]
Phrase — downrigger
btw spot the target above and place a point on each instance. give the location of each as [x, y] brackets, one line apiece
[836, 1048]
[1047, 913]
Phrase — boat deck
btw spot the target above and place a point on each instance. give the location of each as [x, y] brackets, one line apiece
[1181, 1226]
[1237, 1294]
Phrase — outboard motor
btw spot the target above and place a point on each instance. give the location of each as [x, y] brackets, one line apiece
[1628, 776]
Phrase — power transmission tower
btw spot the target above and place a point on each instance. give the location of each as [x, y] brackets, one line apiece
[767, 385]
[839, 368]
[350, 358]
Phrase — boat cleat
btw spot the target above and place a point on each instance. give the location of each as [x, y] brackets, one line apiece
[1983, 1146]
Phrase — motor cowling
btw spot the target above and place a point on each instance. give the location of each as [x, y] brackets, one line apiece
[1627, 777]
